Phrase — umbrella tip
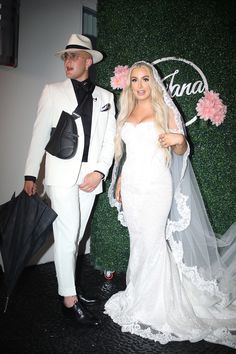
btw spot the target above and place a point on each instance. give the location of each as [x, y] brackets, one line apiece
[6, 304]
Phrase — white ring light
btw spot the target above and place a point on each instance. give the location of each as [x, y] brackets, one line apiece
[195, 67]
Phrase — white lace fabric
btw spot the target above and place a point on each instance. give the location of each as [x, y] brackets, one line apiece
[181, 279]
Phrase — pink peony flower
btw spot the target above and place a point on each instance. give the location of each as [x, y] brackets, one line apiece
[211, 107]
[118, 81]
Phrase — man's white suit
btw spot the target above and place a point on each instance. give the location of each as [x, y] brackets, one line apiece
[62, 177]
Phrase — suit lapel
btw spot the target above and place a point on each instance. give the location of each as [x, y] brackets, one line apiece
[70, 94]
[96, 109]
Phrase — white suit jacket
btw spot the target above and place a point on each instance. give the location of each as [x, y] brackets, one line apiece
[54, 99]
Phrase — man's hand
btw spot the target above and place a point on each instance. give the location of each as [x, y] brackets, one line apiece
[91, 181]
[30, 187]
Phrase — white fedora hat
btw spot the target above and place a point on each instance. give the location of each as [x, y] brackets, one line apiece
[78, 42]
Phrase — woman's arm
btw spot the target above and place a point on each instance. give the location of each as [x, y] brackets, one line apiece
[118, 190]
[176, 141]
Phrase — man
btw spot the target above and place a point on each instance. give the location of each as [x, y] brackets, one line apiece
[72, 184]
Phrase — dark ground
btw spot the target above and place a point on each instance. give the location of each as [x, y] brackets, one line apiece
[34, 324]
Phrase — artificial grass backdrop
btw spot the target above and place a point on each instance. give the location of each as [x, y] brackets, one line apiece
[199, 31]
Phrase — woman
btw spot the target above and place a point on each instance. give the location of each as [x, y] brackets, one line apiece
[179, 285]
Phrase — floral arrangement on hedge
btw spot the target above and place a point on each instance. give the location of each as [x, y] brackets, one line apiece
[118, 81]
[211, 107]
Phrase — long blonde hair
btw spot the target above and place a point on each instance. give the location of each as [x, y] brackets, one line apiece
[127, 103]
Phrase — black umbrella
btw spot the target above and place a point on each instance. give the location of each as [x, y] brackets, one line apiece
[25, 225]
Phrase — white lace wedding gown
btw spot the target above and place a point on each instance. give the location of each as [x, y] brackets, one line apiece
[159, 302]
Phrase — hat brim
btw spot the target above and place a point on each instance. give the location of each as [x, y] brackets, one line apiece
[96, 55]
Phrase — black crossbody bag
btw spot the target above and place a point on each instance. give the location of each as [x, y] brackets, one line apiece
[63, 142]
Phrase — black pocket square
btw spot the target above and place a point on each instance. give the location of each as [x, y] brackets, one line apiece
[106, 107]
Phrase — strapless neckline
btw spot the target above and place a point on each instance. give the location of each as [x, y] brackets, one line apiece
[140, 123]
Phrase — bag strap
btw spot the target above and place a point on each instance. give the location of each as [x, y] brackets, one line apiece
[75, 115]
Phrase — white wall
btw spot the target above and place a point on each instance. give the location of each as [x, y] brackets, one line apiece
[45, 27]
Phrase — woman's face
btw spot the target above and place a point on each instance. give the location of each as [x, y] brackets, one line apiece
[140, 83]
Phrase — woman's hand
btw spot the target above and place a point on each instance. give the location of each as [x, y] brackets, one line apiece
[118, 190]
[174, 140]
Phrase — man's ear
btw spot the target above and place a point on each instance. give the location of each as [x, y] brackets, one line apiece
[89, 62]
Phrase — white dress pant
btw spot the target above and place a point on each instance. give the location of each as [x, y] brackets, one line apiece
[73, 208]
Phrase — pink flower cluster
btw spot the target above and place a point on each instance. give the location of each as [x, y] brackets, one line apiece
[118, 81]
[211, 107]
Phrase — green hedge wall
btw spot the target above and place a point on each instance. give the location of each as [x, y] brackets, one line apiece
[199, 31]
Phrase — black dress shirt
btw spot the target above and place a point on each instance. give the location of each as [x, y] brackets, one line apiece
[83, 92]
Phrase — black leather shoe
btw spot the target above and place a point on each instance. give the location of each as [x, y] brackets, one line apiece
[79, 315]
[86, 300]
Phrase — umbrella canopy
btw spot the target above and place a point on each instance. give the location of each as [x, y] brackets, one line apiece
[25, 224]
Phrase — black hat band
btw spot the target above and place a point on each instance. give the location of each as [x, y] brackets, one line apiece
[75, 46]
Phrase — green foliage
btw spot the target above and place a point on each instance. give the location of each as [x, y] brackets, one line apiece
[201, 32]
[109, 240]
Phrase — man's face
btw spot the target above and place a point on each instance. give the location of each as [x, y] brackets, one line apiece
[76, 65]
